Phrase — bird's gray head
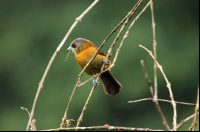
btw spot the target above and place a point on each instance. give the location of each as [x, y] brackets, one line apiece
[75, 46]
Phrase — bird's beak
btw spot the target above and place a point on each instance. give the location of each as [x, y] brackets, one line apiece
[69, 49]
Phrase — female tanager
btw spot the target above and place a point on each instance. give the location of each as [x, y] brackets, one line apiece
[84, 50]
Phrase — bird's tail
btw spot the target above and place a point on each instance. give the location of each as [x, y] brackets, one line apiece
[110, 84]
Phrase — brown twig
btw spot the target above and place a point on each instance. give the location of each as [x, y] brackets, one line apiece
[147, 77]
[184, 121]
[95, 76]
[127, 18]
[155, 54]
[196, 112]
[105, 127]
[155, 97]
[127, 32]
[26, 111]
[80, 119]
[168, 86]
[155, 101]
[163, 100]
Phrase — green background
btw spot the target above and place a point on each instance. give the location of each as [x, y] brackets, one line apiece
[30, 32]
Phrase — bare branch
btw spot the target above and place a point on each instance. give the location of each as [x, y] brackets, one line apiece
[26, 111]
[155, 54]
[105, 127]
[127, 32]
[155, 101]
[184, 121]
[168, 85]
[147, 78]
[95, 76]
[163, 100]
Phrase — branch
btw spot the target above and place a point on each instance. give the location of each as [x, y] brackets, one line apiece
[184, 121]
[155, 101]
[147, 77]
[168, 86]
[155, 54]
[155, 97]
[105, 127]
[95, 76]
[127, 32]
[163, 100]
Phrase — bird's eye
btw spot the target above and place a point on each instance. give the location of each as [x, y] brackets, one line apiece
[74, 45]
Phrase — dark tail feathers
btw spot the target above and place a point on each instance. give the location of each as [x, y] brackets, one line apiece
[110, 84]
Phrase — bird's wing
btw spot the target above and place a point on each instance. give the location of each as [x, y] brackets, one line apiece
[101, 53]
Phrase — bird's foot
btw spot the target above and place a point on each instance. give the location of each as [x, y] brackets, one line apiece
[95, 83]
[105, 62]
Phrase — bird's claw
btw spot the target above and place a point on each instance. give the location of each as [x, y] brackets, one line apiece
[95, 83]
[105, 62]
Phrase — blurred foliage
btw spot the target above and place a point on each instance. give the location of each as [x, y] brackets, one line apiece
[30, 32]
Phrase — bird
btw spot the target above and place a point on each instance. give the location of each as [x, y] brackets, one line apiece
[84, 50]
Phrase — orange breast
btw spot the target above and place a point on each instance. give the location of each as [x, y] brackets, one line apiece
[95, 66]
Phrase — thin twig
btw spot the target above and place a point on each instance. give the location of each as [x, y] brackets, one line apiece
[168, 86]
[184, 121]
[122, 28]
[26, 111]
[127, 32]
[85, 106]
[128, 17]
[155, 54]
[163, 100]
[155, 101]
[105, 127]
[147, 78]
[155, 97]
[196, 112]
[79, 85]
[78, 19]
